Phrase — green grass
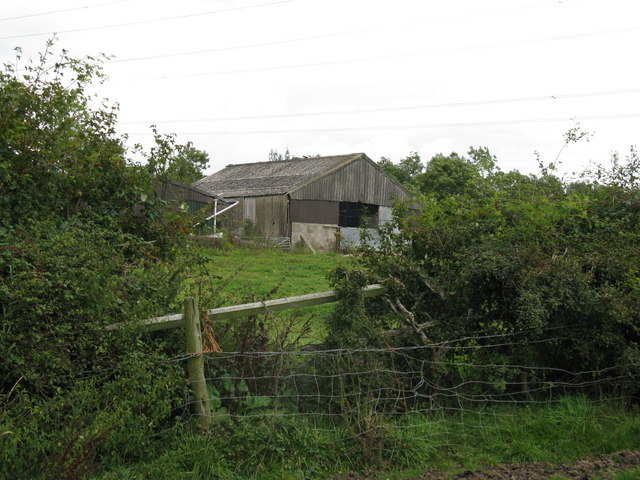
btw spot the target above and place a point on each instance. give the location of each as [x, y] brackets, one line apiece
[291, 447]
[568, 430]
[633, 474]
[251, 273]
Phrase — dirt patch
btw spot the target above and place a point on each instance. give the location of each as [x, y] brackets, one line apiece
[604, 466]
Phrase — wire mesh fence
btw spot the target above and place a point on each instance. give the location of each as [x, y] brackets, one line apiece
[455, 391]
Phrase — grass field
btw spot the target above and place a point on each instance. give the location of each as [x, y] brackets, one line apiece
[291, 448]
[243, 275]
[254, 273]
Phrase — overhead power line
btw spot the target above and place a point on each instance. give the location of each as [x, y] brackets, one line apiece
[85, 7]
[270, 43]
[155, 20]
[412, 127]
[392, 56]
[64, 10]
[237, 47]
[392, 109]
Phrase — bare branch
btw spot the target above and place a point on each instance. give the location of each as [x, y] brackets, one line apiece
[409, 318]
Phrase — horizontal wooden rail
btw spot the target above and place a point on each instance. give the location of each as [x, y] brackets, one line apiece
[268, 306]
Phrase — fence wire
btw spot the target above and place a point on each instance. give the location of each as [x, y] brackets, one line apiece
[447, 392]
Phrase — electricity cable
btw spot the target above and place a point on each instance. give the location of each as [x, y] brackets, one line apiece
[395, 108]
[155, 20]
[64, 10]
[410, 127]
[237, 47]
[365, 59]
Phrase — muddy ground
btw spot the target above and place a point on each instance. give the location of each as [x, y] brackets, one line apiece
[601, 466]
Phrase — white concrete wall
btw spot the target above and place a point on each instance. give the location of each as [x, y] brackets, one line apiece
[321, 237]
[384, 214]
[350, 237]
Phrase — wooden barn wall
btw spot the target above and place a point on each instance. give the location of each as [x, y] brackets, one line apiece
[249, 209]
[315, 211]
[234, 218]
[271, 213]
[268, 215]
[359, 181]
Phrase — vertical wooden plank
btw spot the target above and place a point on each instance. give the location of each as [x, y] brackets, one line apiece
[195, 363]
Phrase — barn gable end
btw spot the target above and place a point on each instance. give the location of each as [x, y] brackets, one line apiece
[360, 180]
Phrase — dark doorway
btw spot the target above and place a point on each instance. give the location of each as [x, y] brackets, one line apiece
[354, 214]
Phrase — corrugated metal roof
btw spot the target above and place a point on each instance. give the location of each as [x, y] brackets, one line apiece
[173, 190]
[271, 178]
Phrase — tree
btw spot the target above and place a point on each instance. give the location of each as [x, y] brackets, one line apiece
[453, 174]
[274, 156]
[484, 160]
[61, 158]
[406, 170]
[449, 175]
[58, 156]
[168, 160]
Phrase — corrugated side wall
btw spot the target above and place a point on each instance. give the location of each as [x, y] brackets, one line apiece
[315, 211]
[360, 181]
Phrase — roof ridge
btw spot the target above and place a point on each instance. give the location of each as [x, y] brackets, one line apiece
[294, 159]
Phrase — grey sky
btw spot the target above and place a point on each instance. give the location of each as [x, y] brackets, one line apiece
[240, 77]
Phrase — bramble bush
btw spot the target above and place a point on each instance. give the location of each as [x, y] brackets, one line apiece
[498, 253]
[84, 242]
[546, 270]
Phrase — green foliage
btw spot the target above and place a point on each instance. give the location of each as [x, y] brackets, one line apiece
[58, 156]
[443, 175]
[79, 220]
[282, 447]
[55, 305]
[168, 160]
[633, 474]
[74, 397]
[84, 242]
[490, 253]
[104, 418]
[494, 253]
[449, 175]
[406, 170]
[350, 324]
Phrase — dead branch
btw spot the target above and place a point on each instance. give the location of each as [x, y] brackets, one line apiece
[409, 318]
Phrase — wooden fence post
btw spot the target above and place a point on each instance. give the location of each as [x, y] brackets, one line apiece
[195, 363]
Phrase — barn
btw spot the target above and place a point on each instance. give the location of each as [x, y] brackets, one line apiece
[178, 192]
[318, 201]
